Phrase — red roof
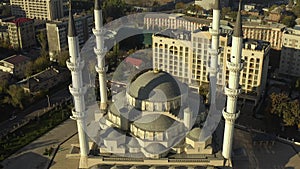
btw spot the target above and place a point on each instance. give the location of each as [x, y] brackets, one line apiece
[134, 61]
[16, 59]
[18, 21]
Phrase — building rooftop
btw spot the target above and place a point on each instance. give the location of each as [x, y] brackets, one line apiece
[134, 61]
[175, 34]
[16, 59]
[18, 21]
[256, 44]
[291, 31]
[154, 86]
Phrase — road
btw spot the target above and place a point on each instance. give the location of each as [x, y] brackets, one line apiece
[34, 110]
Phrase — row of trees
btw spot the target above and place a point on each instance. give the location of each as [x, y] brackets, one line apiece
[286, 108]
[13, 95]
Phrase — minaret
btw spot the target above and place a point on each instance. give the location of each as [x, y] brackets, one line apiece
[100, 51]
[232, 90]
[215, 32]
[77, 89]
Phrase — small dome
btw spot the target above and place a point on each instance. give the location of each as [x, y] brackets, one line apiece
[154, 85]
[113, 134]
[194, 134]
[154, 122]
[133, 143]
[155, 148]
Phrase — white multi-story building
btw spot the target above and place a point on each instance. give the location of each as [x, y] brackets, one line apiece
[37, 9]
[57, 32]
[290, 53]
[185, 55]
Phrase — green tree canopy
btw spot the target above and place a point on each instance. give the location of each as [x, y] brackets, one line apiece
[16, 96]
[42, 39]
[3, 85]
[289, 21]
[288, 110]
[179, 5]
[114, 8]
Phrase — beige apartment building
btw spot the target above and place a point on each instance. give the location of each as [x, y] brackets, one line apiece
[37, 9]
[253, 77]
[173, 21]
[21, 33]
[185, 55]
[290, 53]
[57, 32]
[271, 33]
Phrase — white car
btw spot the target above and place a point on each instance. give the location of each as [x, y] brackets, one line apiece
[12, 117]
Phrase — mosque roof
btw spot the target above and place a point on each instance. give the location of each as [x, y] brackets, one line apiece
[155, 148]
[194, 134]
[154, 85]
[154, 122]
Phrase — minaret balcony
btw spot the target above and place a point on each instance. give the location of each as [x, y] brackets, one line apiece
[214, 32]
[100, 69]
[213, 52]
[233, 93]
[234, 67]
[76, 92]
[78, 66]
[231, 117]
[212, 70]
[99, 32]
[100, 52]
[77, 115]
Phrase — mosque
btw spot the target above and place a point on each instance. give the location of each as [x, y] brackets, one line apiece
[157, 121]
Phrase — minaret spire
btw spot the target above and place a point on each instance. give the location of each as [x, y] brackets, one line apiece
[71, 29]
[100, 51]
[237, 32]
[232, 90]
[77, 88]
[213, 67]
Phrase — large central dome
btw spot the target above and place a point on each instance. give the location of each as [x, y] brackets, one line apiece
[154, 85]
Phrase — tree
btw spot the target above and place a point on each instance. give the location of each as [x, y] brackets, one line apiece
[225, 11]
[62, 58]
[29, 69]
[6, 11]
[291, 116]
[42, 39]
[3, 86]
[204, 90]
[179, 5]
[296, 10]
[286, 109]
[289, 21]
[114, 8]
[16, 96]
[41, 63]
[297, 84]
[278, 103]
